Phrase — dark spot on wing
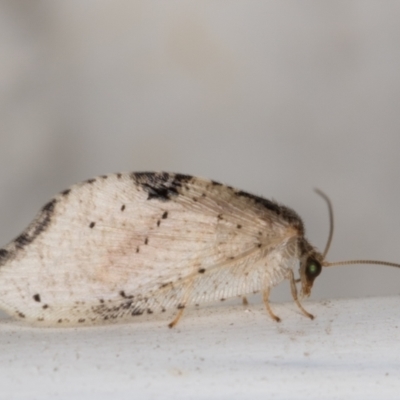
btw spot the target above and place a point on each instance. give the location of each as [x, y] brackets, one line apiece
[123, 207]
[281, 211]
[219, 216]
[45, 306]
[165, 215]
[81, 320]
[36, 297]
[92, 224]
[104, 176]
[161, 186]
[239, 226]
[66, 192]
[180, 306]
[146, 241]
[90, 181]
[137, 249]
[158, 223]
[123, 294]
[119, 175]
[137, 312]
[201, 270]
[149, 311]
[20, 314]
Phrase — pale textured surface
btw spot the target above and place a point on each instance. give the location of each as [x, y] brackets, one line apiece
[350, 351]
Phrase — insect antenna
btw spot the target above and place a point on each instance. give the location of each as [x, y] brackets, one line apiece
[328, 244]
[330, 208]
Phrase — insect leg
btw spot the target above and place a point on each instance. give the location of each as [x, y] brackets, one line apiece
[182, 305]
[294, 295]
[177, 318]
[266, 293]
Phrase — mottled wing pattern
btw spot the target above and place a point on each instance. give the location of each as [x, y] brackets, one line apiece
[124, 244]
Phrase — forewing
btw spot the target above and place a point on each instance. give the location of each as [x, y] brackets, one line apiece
[126, 243]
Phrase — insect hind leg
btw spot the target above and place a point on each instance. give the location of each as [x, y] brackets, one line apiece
[182, 305]
[177, 318]
[266, 293]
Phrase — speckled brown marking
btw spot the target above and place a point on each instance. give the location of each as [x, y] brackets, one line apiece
[123, 207]
[59, 321]
[81, 320]
[146, 241]
[66, 192]
[201, 270]
[180, 306]
[215, 183]
[286, 213]
[136, 312]
[92, 224]
[165, 215]
[239, 226]
[39, 225]
[20, 314]
[160, 186]
[45, 306]
[149, 311]
[104, 176]
[158, 222]
[22, 240]
[4, 256]
[36, 297]
[220, 217]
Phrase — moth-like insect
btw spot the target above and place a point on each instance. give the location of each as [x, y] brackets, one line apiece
[122, 245]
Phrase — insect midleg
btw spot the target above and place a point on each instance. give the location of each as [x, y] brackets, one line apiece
[294, 295]
[266, 293]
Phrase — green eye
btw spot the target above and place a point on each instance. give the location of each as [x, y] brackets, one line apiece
[313, 269]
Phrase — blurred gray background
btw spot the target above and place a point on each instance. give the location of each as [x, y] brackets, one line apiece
[273, 97]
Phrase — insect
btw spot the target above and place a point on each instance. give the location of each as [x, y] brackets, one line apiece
[122, 245]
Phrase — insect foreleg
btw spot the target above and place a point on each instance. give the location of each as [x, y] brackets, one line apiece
[294, 295]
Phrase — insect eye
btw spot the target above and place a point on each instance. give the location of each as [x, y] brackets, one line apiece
[313, 269]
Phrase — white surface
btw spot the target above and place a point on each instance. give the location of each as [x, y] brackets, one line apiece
[350, 351]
